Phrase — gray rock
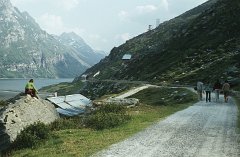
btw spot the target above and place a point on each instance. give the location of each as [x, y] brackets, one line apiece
[25, 111]
[129, 102]
[120, 101]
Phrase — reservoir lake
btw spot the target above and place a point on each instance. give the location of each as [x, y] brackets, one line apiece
[11, 87]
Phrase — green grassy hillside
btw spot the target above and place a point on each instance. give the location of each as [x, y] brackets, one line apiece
[203, 43]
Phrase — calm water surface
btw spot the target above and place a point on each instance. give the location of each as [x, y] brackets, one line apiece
[11, 87]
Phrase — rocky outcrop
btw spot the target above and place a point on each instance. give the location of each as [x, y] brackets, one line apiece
[129, 102]
[85, 52]
[23, 112]
[4, 137]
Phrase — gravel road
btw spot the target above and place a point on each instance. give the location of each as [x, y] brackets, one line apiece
[202, 130]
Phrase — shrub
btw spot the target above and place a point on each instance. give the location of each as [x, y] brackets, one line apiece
[112, 108]
[159, 103]
[66, 123]
[107, 116]
[3, 103]
[100, 120]
[31, 136]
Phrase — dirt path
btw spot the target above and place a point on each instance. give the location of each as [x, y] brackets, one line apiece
[134, 91]
[202, 130]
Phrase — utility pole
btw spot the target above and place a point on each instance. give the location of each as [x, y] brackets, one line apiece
[149, 27]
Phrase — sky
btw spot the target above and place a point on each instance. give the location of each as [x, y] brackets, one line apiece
[103, 24]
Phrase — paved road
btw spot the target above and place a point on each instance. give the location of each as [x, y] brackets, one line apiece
[202, 130]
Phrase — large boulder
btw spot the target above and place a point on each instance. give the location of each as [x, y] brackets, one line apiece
[23, 112]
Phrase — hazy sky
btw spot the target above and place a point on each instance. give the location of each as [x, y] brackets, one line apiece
[103, 24]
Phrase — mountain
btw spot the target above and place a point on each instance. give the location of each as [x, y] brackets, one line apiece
[76, 43]
[28, 51]
[203, 43]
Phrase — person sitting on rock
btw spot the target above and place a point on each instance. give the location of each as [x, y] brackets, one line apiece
[30, 89]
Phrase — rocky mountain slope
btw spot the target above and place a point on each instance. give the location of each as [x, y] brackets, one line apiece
[203, 43]
[76, 43]
[28, 51]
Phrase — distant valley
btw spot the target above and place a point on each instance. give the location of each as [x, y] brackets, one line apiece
[201, 44]
[28, 51]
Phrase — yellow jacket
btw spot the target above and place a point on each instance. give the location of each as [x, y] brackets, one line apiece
[30, 85]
